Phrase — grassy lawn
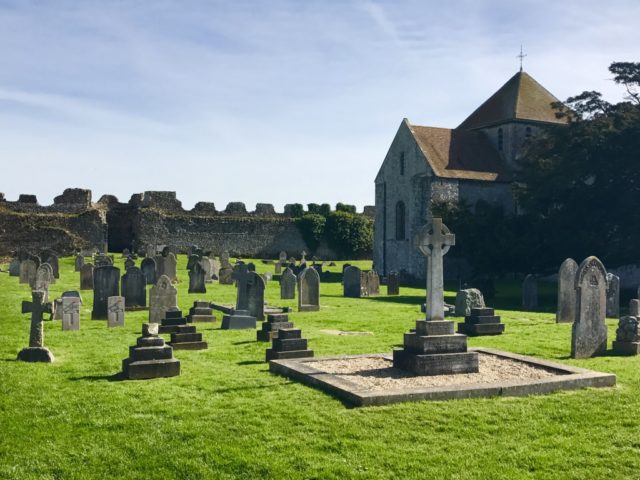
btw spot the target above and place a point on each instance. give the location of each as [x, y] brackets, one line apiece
[226, 416]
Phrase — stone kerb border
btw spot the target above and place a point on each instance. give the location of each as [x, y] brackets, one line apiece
[568, 378]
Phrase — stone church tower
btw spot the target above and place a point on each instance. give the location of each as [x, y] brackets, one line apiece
[471, 162]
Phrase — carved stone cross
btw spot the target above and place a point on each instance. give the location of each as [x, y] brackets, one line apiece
[37, 307]
[242, 277]
[434, 241]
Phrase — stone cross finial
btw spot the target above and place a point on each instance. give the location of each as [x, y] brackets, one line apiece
[36, 307]
[434, 241]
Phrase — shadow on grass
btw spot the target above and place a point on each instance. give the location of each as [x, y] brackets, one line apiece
[245, 342]
[251, 362]
[117, 377]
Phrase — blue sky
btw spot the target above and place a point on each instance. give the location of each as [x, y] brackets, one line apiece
[273, 101]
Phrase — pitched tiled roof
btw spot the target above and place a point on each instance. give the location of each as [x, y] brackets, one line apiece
[521, 98]
[461, 154]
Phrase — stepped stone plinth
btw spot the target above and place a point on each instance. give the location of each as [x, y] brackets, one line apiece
[270, 328]
[150, 357]
[201, 312]
[289, 344]
[187, 338]
[172, 320]
[481, 321]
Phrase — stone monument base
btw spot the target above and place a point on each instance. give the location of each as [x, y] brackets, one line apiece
[481, 321]
[626, 348]
[186, 338]
[289, 344]
[145, 369]
[436, 363]
[36, 354]
[238, 320]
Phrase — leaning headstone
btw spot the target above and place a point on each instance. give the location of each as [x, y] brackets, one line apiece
[52, 259]
[613, 295]
[287, 285]
[589, 333]
[309, 290]
[481, 321]
[115, 314]
[70, 307]
[86, 277]
[627, 340]
[79, 262]
[530, 293]
[106, 283]
[466, 300]
[14, 267]
[134, 289]
[270, 328]
[36, 351]
[393, 283]
[148, 268]
[352, 282]
[434, 349]
[225, 276]
[566, 311]
[288, 344]
[28, 270]
[373, 283]
[196, 279]
[150, 358]
[162, 296]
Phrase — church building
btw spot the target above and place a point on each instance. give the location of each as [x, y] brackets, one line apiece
[471, 162]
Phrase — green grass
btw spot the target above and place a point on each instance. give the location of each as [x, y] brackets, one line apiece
[226, 416]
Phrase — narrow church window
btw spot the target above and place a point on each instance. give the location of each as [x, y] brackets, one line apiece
[401, 163]
[400, 221]
[500, 139]
[527, 132]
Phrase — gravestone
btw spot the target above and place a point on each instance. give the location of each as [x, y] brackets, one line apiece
[207, 265]
[148, 268]
[225, 276]
[372, 283]
[287, 285]
[28, 270]
[150, 250]
[70, 307]
[270, 328]
[249, 300]
[169, 267]
[393, 283]
[79, 262]
[467, 299]
[86, 277]
[134, 289]
[215, 268]
[102, 260]
[277, 268]
[44, 275]
[14, 267]
[566, 311]
[634, 307]
[266, 276]
[201, 312]
[613, 295]
[36, 351]
[115, 314]
[627, 340]
[192, 260]
[251, 267]
[129, 263]
[224, 259]
[288, 344]
[282, 258]
[433, 348]
[150, 357]
[530, 293]
[106, 283]
[196, 279]
[162, 296]
[169, 249]
[589, 332]
[481, 321]
[255, 295]
[52, 259]
[309, 290]
[352, 282]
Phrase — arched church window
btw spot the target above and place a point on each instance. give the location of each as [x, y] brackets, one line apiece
[500, 139]
[527, 132]
[400, 221]
[401, 163]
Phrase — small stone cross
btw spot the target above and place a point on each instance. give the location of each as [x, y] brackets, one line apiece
[37, 307]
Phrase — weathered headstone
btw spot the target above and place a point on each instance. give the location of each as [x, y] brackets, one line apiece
[36, 351]
[207, 266]
[215, 268]
[150, 358]
[169, 267]
[52, 259]
[282, 258]
[225, 276]
[162, 296]
[129, 263]
[28, 270]
[70, 307]
[106, 283]
[44, 276]
[102, 260]
[192, 260]
[14, 267]
[287, 285]
[634, 307]
[372, 283]
[309, 290]
[79, 262]
[613, 295]
[434, 349]
[277, 268]
[352, 282]
[134, 288]
[224, 259]
[249, 300]
[393, 283]
[627, 340]
[589, 333]
[86, 277]
[467, 299]
[196, 279]
[566, 311]
[115, 314]
[148, 268]
[530, 293]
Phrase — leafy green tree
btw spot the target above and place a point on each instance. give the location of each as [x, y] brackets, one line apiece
[351, 235]
[312, 226]
[343, 207]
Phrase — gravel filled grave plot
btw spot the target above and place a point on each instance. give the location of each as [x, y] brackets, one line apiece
[372, 380]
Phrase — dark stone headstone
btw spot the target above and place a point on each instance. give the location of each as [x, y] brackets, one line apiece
[287, 285]
[589, 333]
[134, 288]
[566, 311]
[106, 283]
[86, 277]
[393, 283]
[79, 262]
[309, 290]
[196, 279]
[148, 268]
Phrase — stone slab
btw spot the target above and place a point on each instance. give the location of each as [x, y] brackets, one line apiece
[626, 348]
[569, 378]
[275, 355]
[480, 329]
[201, 345]
[36, 354]
[238, 322]
[143, 370]
[436, 363]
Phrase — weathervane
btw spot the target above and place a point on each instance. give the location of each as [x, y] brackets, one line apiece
[521, 56]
